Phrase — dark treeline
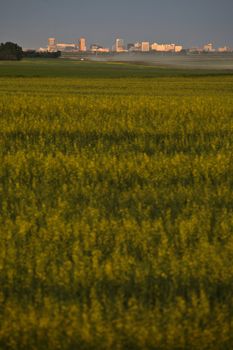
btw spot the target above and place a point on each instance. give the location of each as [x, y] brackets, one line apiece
[46, 54]
[10, 51]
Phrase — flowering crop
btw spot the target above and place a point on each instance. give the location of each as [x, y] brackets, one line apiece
[116, 213]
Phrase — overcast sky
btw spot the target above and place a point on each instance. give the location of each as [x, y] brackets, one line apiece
[188, 22]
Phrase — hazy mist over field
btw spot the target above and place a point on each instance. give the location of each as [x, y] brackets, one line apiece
[199, 61]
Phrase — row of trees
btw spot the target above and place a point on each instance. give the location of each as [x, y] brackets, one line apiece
[46, 54]
[11, 51]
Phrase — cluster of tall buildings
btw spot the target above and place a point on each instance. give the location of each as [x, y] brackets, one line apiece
[53, 46]
[145, 46]
[210, 48]
[119, 46]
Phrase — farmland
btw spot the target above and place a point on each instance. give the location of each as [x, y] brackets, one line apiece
[116, 204]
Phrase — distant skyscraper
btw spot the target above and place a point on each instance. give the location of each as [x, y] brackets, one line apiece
[145, 46]
[208, 47]
[82, 44]
[51, 41]
[52, 45]
[119, 45]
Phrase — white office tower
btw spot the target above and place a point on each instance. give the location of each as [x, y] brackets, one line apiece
[82, 45]
[119, 45]
[145, 46]
[52, 47]
[208, 48]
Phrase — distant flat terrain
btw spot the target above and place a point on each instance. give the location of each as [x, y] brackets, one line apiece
[121, 66]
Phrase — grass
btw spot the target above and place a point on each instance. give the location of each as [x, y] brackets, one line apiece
[116, 207]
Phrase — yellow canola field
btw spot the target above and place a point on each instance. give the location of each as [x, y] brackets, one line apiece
[116, 213]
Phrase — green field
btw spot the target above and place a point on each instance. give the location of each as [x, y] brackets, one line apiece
[63, 68]
[116, 201]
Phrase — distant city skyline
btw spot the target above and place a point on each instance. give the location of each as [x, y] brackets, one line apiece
[121, 47]
[190, 23]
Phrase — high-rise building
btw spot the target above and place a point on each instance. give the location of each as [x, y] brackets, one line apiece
[82, 44]
[119, 45]
[145, 46]
[52, 45]
[208, 47]
[51, 41]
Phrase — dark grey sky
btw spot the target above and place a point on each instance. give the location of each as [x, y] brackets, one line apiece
[189, 22]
